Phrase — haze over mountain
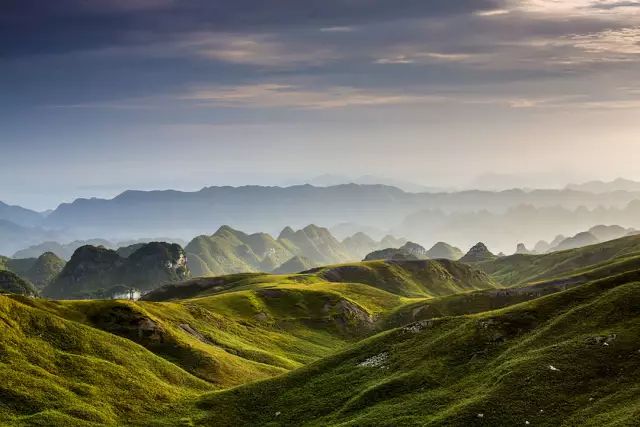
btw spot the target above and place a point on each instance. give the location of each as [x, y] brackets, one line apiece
[304, 213]
[40, 271]
[460, 218]
[328, 180]
[619, 184]
[229, 251]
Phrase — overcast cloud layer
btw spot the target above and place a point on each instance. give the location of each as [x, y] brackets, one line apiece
[102, 96]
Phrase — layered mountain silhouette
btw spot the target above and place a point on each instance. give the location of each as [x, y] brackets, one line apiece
[20, 216]
[443, 250]
[296, 264]
[62, 250]
[39, 271]
[478, 253]
[414, 251]
[619, 184]
[596, 234]
[230, 251]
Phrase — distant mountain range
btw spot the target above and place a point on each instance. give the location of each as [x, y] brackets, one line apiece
[20, 216]
[460, 218]
[40, 271]
[273, 208]
[230, 251]
[414, 251]
[329, 180]
[66, 250]
[619, 184]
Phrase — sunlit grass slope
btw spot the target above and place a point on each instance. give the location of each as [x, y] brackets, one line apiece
[571, 358]
[292, 345]
[519, 269]
[411, 279]
[55, 371]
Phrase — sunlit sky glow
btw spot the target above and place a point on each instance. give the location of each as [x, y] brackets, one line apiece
[97, 97]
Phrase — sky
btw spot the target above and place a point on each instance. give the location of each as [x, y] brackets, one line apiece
[101, 96]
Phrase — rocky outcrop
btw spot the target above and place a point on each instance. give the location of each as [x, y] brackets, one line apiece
[521, 249]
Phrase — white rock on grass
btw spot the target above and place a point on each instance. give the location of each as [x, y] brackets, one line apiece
[553, 368]
[375, 361]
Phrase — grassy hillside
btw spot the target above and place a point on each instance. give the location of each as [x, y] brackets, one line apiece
[430, 342]
[294, 265]
[421, 278]
[519, 269]
[55, 371]
[566, 359]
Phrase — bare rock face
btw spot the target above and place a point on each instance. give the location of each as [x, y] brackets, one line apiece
[348, 315]
[124, 320]
[478, 253]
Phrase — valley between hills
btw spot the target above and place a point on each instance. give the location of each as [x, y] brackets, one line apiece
[398, 339]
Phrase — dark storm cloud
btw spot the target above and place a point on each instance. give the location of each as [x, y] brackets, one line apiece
[33, 26]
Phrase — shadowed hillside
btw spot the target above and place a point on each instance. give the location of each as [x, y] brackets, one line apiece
[40, 271]
[93, 270]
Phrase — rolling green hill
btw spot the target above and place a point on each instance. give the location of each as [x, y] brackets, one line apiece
[566, 359]
[57, 371]
[415, 278]
[428, 342]
[520, 269]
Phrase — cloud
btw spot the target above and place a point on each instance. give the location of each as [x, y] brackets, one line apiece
[494, 12]
[257, 49]
[343, 29]
[275, 95]
[71, 25]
